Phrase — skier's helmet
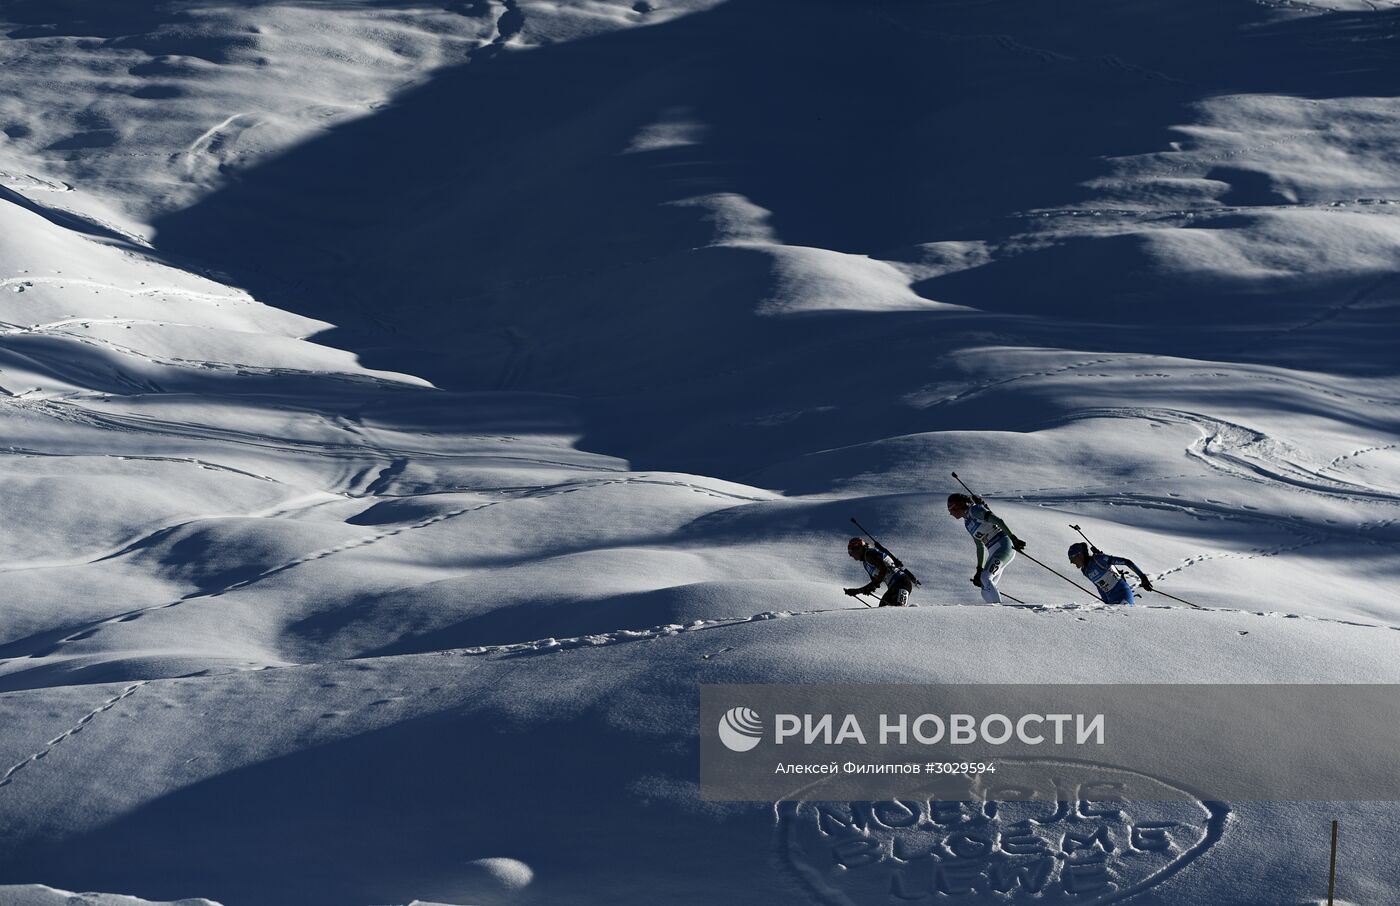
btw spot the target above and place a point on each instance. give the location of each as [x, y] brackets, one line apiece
[856, 547]
[1078, 549]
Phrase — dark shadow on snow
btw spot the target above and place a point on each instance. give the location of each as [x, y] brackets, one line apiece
[397, 814]
[488, 230]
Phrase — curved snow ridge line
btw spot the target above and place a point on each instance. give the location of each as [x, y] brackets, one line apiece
[533, 494]
[1199, 163]
[239, 368]
[1253, 373]
[184, 460]
[71, 411]
[1155, 215]
[95, 627]
[83, 224]
[1211, 508]
[1194, 508]
[54, 327]
[8, 777]
[297, 504]
[129, 616]
[72, 370]
[17, 181]
[1303, 5]
[1243, 452]
[646, 480]
[1292, 380]
[196, 295]
[983, 386]
[1023, 493]
[44, 895]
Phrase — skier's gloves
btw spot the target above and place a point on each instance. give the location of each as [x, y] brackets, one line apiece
[1146, 583]
[851, 591]
[977, 578]
[1018, 544]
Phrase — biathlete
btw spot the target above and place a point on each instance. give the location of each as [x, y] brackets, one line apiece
[1102, 570]
[996, 543]
[882, 568]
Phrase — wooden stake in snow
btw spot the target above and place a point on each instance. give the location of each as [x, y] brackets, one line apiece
[1332, 868]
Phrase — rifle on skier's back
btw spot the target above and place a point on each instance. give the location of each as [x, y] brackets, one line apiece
[899, 564]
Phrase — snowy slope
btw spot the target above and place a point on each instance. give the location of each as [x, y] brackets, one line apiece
[407, 405]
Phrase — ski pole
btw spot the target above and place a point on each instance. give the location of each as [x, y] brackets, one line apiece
[1092, 546]
[1022, 552]
[1175, 598]
[1058, 573]
[1332, 867]
[1154, 588]
[863, 601]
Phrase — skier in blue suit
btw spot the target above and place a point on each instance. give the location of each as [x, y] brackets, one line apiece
[1101, 569]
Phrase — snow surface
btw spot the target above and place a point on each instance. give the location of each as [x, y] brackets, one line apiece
[407, 405]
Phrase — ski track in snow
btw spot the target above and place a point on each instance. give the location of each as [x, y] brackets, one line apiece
[8, 777]
[236, 368]
[594, 640]
[1337, 309]
[206, 151]
[1355, 453]
[70, 411]
[1243, 453]
[550, 644]
[136, 457]
[1229, 450]
[62, 282]
[88, 630]
[982, 387]
[1238, 451]
[1103, 62]
[1254, 554]
[1219, 447]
